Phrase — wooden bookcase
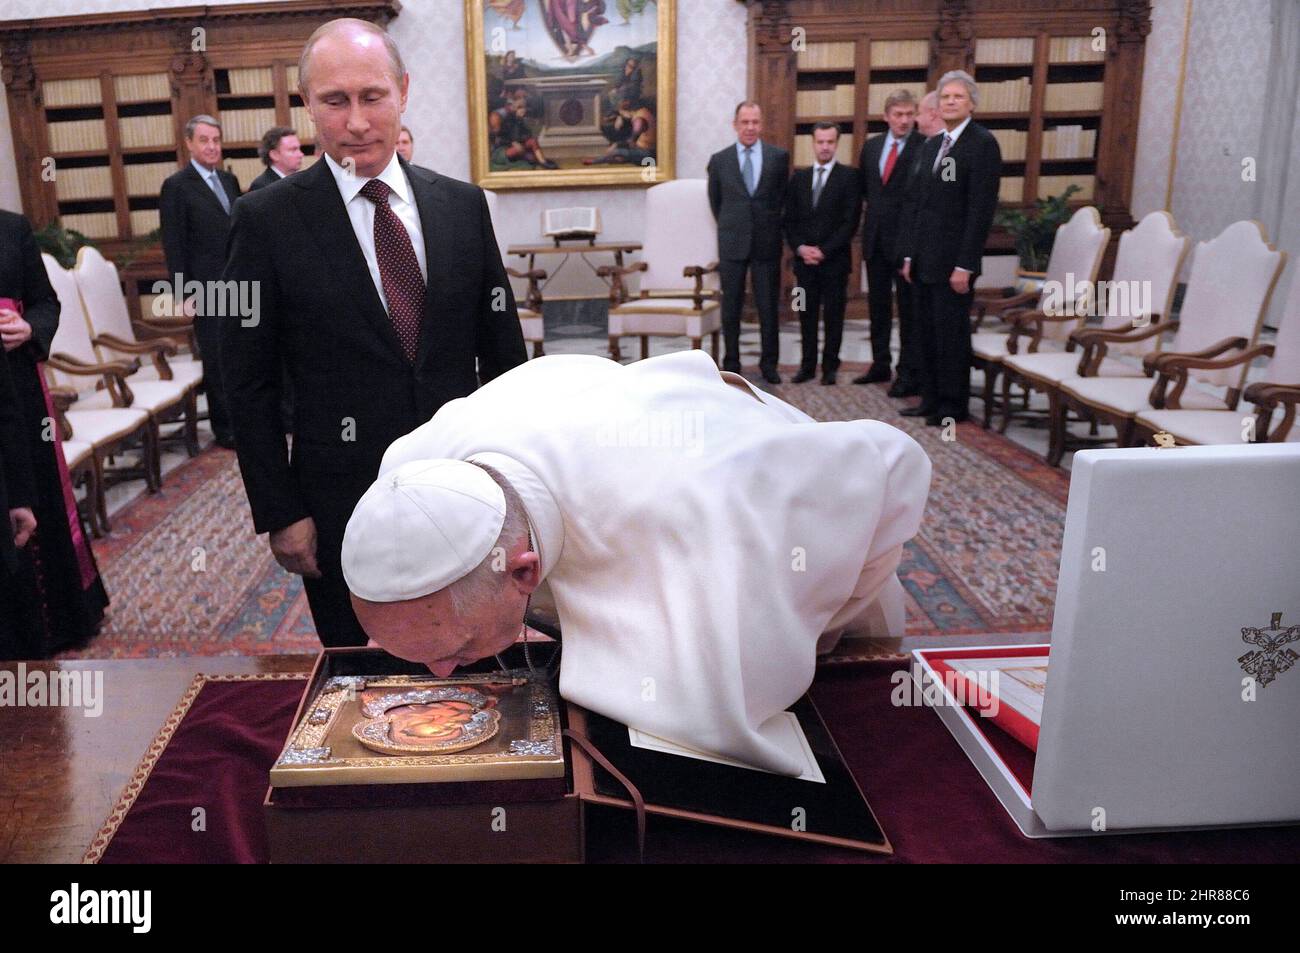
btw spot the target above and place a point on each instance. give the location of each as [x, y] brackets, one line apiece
[1063, 110]
[98, 106]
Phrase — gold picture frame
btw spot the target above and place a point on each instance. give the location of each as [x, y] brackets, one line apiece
[571, 112]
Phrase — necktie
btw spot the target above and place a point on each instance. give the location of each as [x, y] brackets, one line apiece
[817, 185]
[214, 183]
[399, 269]
[747, 170]
[889, 163]
[943, 151]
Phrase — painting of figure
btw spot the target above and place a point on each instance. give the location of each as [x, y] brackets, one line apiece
[571, 92]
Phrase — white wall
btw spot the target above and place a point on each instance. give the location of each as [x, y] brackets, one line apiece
[711, 79]
[1225, 67]
[1222, 118]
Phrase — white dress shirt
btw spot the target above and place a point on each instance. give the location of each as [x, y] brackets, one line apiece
[890, 138]
[361, 211]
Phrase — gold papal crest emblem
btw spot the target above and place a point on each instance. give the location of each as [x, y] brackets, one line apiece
[1271, 659]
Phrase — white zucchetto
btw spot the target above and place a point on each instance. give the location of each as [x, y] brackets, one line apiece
[447, 514]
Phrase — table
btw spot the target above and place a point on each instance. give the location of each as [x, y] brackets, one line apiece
[64, 771]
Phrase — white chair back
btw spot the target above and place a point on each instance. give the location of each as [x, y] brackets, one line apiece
[1077, 250]
[1284, 367]
[73, 335]
[1148, 261]
[1232, 276]
[679, 231]
[105, 304]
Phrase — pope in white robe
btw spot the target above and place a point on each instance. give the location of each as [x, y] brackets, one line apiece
[701, 540]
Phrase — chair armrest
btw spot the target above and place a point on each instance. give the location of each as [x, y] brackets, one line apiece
[179, 330]
[1180, 363]
[1029, 322]
[1157, 360]
[1264, 392]
[698, 272]
[113, 374]
[615, 273]
[533, 296]
[63, 397]
[158, 349]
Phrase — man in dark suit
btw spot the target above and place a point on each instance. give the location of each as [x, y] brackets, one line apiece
[195, 211]
[956, 198]
[822, 208]
[883, 167]
[747, 183]
[383, 293]
[281, 153]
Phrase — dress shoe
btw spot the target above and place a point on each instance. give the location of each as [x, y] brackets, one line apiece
[803, 375]
[731, 368]
[877, 374]
[828, 377]
[940, 420]
[902, 389]
[772, 377]
[225, 440]
[920, 410]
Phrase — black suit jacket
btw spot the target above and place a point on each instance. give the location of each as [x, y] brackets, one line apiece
[950, 216]
[831, 225]
[268, 177]
[748, 226]
[884, 200]
[194, 225]
[321, 316]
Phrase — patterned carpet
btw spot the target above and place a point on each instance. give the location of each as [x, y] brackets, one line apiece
[188, 576]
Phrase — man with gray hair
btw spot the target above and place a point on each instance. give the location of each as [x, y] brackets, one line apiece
[194, 209]
[943, 244]
[382, 293]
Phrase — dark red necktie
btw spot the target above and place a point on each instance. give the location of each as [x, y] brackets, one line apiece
[889, 162]
[399, 270]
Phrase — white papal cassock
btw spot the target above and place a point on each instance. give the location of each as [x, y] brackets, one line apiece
[698, 536]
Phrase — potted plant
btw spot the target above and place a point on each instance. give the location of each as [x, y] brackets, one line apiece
[1034, 230]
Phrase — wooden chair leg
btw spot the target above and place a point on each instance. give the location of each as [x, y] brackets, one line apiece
[101, 498]
[696, 343]
[645, 346]
[1124, 433]
[1006, 402]
[615, 352]
[990, 378]
[152, 458]
[538, 351]
[192, 423]
[714, 336]
[1056, 428]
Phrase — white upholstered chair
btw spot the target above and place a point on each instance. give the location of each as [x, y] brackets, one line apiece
[679, 281]
[530, 312]
[114, 333]
[1149, 258]
[1279, 389]
[107, 419]
[1232, 278]
[1077, 250]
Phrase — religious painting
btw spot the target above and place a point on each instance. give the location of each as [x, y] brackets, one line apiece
[566, 93]
[416, 729]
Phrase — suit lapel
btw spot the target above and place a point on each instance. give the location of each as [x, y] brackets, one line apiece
[432, 204]
[202, 184]
[321, 206]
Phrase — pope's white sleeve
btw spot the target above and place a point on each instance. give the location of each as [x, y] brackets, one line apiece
[907, 486]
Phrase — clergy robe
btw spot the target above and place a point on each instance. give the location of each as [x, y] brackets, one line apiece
[698, 536]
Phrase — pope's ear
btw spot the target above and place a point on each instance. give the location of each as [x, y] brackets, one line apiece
[526, 571]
